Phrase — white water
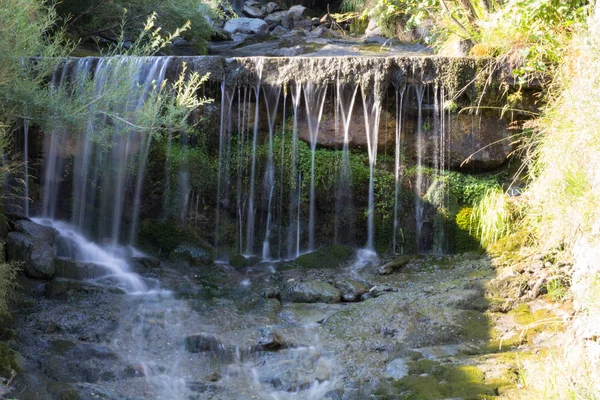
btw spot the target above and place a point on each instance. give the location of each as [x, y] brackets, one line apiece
[397, 160]
[372, 112]
[110, 258]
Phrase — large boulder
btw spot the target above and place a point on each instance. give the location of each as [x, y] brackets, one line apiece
[40, 232]
[253, 11]
[275, 18]
[65, 246]
[79, 270]
[246, 25]
[37, 256]
[312, 291]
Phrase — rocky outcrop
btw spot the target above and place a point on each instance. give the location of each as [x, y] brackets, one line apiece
[312, 291]
[37, 256]
[78, 270]
[246, 25]
[39, 232]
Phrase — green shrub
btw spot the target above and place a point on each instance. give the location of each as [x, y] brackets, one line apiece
[465, 238]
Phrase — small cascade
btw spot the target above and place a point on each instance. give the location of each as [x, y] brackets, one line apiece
[272, 95]
[96, 164]
[344, 206]
[314, 99]
[293, 242]
[419, 206]
[372, 112]
[223, 169]
[250, 228]
[75, 246]
[397, 161]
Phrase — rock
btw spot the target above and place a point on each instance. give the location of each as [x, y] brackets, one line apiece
[279, 31]
[40, 232]
[275, 18]
[202, 342]
[238, 261]
[377, 291]
[315, 21]
[60, 286]
[246, 25]
[78, 270]
[271, 7]
[270, 340]
[331, 256]
[64, 246]
[143, 264]
[296, 12]
[397, 369]
[253, 11]
[351, 290]
[271, 293]
[373, 30]
[37, 256]
[394, 265]
[312, 291]
[318, 32]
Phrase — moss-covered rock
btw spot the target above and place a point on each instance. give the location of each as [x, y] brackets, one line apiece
[332, 256]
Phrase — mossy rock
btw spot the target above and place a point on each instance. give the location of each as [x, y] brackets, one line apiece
[332, 256]
[164, 237]
[429, 380]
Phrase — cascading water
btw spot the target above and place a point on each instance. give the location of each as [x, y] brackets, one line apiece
[397, 161]
[372, 112]
[314, 99]
[419, 207]
[346, 96]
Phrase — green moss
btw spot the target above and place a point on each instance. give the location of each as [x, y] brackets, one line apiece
[428, 380]
[163, 237]
[474, 325]
[332, 256]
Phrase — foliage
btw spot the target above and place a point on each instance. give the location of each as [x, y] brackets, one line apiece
[531, 35]
[163, 237]
[124, 18]
[564, 197]
[8, 274]
[493, 216]
[465, 238]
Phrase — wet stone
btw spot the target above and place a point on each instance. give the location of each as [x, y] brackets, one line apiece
[202, 342]
[37, 256]
[312, 291]
[40, 232]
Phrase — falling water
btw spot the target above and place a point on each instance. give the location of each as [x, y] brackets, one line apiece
[95, 166]
[372, 112]
[420, 91]
[397, 161]
[314, 99]
[272, 94]
[346, 96]
[295, 190]
[251, 206]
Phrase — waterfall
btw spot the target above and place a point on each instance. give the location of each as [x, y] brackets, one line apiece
[372, 112]
[251, 201]
[95, 166]
[295, 189]
[272, 197]
[346, 96]
[397, 160]
[272, 94]
[314, 99]
[419, 91]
